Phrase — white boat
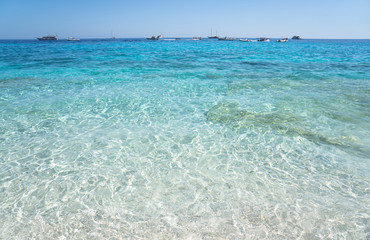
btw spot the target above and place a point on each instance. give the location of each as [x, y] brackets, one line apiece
[282, 40]
[245, 40]
[72, 39]
[197, 38]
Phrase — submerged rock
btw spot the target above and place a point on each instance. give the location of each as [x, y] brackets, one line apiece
[230, 114]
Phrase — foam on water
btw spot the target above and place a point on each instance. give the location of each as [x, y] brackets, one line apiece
[184, 140]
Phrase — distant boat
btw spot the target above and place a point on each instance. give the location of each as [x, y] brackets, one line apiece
[282, 40]
[296, 38]
[227, 39]
[213, 37]
[155, 37]
[111, 35]
[197, 38]
[245, 40]
[263, 39]
[73, 39]
[48, 38]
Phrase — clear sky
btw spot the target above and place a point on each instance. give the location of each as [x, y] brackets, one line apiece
[185, 18]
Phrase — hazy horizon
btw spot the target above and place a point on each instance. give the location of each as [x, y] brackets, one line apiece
[329, 19]
[169, 37]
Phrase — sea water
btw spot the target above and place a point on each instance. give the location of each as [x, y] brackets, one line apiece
[136, 139]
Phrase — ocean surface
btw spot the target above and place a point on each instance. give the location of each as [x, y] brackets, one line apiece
[137, 139]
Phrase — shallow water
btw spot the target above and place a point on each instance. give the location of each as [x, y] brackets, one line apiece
[185, 139]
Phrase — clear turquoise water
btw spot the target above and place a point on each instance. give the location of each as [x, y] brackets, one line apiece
[185, 139]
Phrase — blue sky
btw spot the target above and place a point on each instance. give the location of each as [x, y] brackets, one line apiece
[187, 18]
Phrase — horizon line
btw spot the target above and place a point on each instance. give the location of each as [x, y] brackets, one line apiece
[35, 38]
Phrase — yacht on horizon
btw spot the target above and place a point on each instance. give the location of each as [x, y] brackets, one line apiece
[155, 37]
[48, 38]
[213, 37]
[111, 35]
[72, 39]
[282, 40]
[263, 39]
[227, 39]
